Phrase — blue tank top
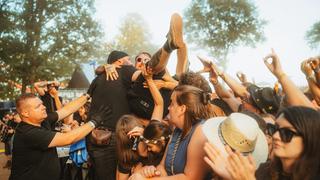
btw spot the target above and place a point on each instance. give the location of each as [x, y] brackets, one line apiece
[181, 153]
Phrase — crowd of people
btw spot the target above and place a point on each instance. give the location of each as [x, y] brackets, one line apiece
[137, 121]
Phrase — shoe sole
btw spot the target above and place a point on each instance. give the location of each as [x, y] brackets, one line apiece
[176, 30]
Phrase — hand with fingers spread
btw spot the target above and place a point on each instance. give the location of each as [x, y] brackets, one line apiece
[239, 166]
[99, 115]
[135, 132]
[216, 160]
[274, 66]
[111, 72]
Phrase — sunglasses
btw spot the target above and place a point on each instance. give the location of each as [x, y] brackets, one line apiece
[144, 61]
[286, 134]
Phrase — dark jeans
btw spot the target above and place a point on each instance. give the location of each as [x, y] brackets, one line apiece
[104, 160]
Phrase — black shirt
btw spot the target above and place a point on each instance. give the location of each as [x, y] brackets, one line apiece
[32, 159]
[49, 103]
[141, 101]
[112, 94]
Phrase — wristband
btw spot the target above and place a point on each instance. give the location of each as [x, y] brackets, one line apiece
[92, 124]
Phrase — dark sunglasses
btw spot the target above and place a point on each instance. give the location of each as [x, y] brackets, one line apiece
[286, 134]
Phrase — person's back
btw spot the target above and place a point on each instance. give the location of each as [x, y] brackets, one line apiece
[113, 94]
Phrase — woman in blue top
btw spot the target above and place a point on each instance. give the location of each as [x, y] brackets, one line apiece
[184, 155]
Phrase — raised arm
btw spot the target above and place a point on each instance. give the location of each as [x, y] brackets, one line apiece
[222, 93]
[315, 64]
[62, 139]
[157, 98]
[72, 106]
[294, 95]
[236, 87]
[39, 86]
[307, 69]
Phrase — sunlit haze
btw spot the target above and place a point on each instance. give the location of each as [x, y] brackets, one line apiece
[287, 20]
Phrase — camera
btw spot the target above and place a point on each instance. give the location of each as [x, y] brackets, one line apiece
[135, 143]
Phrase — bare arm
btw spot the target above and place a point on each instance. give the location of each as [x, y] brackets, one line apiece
[306, 68]
[71, 107]
[63, 139]
[195, 166]
[294, 95]
[121, 176]
[157, 98]
[39, 86]
[236, 87]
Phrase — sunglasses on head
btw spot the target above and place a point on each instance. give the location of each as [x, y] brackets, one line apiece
[286, 134]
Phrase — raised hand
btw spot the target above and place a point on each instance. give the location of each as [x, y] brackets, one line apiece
[135, 132]
[239, 166]
[206, 64]
[216, 160]
[111, 72]
[274, 65]
[314, 62]
[147, 72]
[306, 68]
[242, 77]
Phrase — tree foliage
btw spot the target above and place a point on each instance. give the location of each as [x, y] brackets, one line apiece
[221, 25]
[45, 39]
[313, 35]
[134, 35]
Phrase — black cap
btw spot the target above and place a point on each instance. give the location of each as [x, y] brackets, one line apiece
[115, 56]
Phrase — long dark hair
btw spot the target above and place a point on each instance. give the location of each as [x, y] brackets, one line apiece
[307, 122]
[159, 132]
[197, 103]
[126, 157]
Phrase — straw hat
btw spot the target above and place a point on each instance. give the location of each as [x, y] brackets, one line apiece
[240, 132]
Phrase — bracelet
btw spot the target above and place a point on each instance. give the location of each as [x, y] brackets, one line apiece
[92, 124]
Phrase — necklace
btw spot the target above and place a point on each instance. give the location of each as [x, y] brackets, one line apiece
[176, 145]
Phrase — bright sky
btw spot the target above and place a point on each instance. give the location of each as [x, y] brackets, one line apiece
[288, 21]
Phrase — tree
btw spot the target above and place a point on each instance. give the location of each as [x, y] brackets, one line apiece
[219, 26]
[45, 39]
[134, 35]
[313, 35]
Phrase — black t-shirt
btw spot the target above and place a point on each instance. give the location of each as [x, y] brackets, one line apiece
[141, 101]
[32, 159]
[112, 94]
[49, 103]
